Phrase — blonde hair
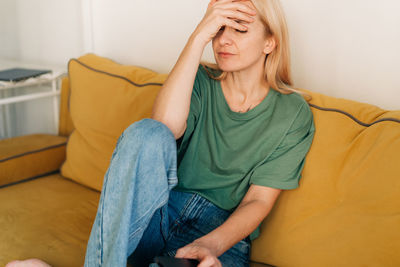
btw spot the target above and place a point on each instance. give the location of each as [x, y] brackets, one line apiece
[277, 66]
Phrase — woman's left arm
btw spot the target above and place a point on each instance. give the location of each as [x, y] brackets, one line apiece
[254, 207]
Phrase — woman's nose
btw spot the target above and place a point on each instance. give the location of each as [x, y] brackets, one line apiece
[225, 36]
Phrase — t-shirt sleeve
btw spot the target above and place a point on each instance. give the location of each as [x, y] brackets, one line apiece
[282, 169]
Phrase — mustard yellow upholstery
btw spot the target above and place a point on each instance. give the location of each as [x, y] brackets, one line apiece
[66, 126]
[105, 98]
[346, 211]
[26, 157]
[48, 218]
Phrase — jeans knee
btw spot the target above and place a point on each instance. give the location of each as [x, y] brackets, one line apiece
[150, 131]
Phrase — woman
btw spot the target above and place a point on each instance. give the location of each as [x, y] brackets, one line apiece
[242, 136]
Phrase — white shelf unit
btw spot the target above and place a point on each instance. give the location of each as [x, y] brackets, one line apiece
[51, 80]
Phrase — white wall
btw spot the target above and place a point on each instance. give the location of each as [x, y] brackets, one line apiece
[41, 31]
[45, 33]
[344, 48]
[9, 43]
[347, 48]
[149, 33]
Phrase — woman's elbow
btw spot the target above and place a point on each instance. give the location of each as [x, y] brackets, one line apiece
[176, 129]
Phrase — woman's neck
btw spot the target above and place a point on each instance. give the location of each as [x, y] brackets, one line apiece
[245, 86]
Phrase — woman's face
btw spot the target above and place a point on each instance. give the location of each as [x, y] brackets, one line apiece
[235, 50]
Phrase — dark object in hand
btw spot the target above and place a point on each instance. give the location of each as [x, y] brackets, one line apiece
[164, 261]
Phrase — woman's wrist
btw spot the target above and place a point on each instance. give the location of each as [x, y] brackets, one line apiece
[211, 243]
[197, 40]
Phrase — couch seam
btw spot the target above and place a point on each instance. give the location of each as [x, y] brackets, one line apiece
[111, 74]
[354, 118]
[32, 152]
[29, 179]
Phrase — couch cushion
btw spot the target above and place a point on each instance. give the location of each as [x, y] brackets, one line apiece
[346, 211]
[26, 157]
[105, 98]
[49, 218]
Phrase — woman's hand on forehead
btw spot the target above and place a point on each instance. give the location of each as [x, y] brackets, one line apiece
[214, 1]
[221, 13]
[249, 6]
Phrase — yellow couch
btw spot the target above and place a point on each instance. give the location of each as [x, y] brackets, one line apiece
[346, 211]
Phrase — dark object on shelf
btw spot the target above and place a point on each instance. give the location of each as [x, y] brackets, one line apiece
[18, 74]
[164, 261]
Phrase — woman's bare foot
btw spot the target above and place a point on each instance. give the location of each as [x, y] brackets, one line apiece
[28, 263]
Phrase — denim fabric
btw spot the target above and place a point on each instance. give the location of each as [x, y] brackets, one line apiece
[139, 215]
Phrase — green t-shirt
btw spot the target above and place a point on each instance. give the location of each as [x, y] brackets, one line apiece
[223, 152]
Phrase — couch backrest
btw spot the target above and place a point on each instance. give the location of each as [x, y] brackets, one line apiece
[346, 211]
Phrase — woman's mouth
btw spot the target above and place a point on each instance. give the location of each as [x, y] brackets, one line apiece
[225, 54]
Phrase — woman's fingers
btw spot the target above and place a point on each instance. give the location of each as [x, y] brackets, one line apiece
[212, 2]
[223, 13]
[222, 1]
[235, 25]
[239, 6]
[210, 261]
[238, 16]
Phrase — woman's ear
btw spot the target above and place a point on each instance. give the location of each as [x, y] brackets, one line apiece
[270, 45]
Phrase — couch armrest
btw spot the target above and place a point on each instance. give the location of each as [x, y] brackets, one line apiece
[30, 156]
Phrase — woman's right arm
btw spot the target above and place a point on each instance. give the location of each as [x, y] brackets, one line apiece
[172, 103]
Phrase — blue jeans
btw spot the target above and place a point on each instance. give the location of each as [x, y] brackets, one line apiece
[139, 216]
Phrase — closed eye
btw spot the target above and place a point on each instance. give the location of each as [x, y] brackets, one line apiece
[223, 28]
[241, 22]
